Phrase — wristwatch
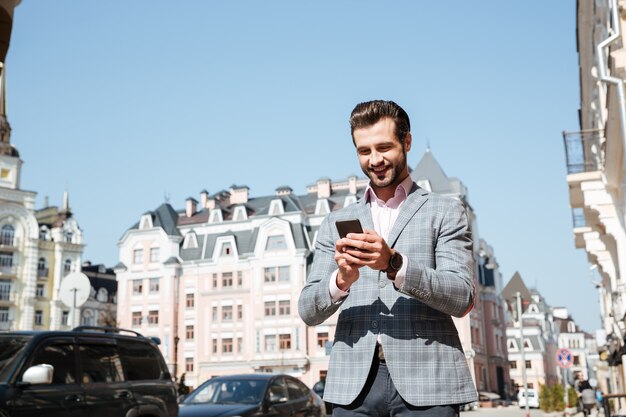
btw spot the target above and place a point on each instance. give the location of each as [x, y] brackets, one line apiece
[395, 263]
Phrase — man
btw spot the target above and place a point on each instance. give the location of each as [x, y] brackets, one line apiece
[396, 285]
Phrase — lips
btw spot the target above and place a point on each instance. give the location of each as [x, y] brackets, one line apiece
[379, 170]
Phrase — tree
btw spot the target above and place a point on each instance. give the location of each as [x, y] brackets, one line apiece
[545, 398]
[108, 317]
[558, 399]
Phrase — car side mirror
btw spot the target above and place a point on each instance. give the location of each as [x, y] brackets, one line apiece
[38, 375]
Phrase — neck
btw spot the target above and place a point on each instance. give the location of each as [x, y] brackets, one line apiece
[385, 193]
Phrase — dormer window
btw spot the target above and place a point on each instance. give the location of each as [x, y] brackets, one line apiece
[227, 249]
[571, 327]
[276, 243]
[145, 222]
[137, 256]
[191, 241]
[43, 233]
[527, 345]
[322, 207]
[533, 308]
[67, 267]
[216, 216]
[512, 345]
[276, 208]
[103, 295]
[240, 214]
[68, 237]
[351, 199]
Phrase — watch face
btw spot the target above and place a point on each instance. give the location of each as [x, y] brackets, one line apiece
[396, 261]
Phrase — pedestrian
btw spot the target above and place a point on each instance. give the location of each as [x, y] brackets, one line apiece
[396, 284]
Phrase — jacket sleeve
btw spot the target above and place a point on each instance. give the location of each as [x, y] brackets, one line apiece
[315, 304]
[449, 287]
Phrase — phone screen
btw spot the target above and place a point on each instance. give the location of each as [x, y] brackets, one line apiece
[348, 226]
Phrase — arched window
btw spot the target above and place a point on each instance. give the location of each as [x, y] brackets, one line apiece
[88, 318]
[7, 235]
[103, 295]
[67, 267]
[42, 267]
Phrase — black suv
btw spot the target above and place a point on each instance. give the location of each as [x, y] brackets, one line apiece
[86, 372]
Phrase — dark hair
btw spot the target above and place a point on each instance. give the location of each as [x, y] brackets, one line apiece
[371, 112]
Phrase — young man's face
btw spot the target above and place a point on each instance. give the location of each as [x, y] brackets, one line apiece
[381, 155]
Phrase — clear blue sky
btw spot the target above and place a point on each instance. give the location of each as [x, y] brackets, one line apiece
[122, 102]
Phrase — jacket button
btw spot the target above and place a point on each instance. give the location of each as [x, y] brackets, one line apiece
[375, 324]
[382, 283]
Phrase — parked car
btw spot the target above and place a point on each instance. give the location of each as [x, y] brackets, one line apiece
[90, 371]
[252, 395]
[533, 398]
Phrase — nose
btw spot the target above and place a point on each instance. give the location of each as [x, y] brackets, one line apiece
[375, 158]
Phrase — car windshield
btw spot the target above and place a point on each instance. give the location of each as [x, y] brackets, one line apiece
[240, 391]
[10, 348]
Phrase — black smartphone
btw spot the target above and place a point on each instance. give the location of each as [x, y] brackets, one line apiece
[348, 226]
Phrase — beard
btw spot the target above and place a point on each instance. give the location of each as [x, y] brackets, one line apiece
[391, 177]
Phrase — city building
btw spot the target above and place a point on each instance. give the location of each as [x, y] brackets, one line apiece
[218, 281]
[596, 171]
[100, 309]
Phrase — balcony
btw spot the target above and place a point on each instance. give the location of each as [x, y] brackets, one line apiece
[9, 242]
[584, 151]
[43, 273]
[8, 270]
[7, 296]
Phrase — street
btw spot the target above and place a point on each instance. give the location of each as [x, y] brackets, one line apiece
[512, 411]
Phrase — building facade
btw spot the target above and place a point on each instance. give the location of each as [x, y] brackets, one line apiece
[596, 169]
[219, 280]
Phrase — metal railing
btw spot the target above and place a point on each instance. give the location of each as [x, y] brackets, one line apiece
[584, 151]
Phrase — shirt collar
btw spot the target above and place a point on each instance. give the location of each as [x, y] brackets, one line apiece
[401, 193]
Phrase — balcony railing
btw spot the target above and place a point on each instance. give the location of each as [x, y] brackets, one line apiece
[584, 151]
[8, 269]
[9, 241]
[7, 295]
[42, 273]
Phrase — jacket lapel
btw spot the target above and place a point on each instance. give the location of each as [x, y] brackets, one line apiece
[414, 201]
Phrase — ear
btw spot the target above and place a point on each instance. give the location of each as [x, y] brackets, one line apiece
[407, 142]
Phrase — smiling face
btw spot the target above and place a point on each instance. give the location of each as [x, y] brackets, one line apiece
[382, 156]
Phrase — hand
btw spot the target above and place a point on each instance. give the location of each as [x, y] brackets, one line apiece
[365, 249]
[348, 272]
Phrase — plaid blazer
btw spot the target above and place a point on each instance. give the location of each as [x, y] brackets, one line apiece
[421, 343]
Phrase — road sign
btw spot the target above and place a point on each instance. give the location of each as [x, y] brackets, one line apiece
[564, 358]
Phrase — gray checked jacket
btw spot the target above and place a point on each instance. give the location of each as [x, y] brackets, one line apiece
[421, 343]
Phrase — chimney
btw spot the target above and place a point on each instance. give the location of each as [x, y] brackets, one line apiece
[323, 188]
[284, 190]
[204, 197]
[191, 207]
[352, 184]
[239, 194]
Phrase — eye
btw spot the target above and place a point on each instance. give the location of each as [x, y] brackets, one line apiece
[363, 151]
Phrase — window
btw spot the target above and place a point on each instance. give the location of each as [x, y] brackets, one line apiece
[214, 280]
[239, 278]
[322, 339]
[100, 363]
[88, 318]
[227, 345]
[137, 286]
[227, 249]
[38, 291]
[576, 360]
[136, 318]
[5, 290]
[103, 295]
[527, 345]
[4, 314]
[227, 279]
[214, 314]
[188, 364]
[214, 345]
[239, 312]
[67, 267]
[153, 317]
[6, 261]
[528, 365]
[42, 267]
[138, 256]
[140, 361]
[7, 235]
[270, 342]
[190, 300]
[276, 243]
[38, 317]
[270, 274]
[239, 345]
[530, 385]
[154, 285]
[189, 333]
[68, 237]
[284, 341]
[284, 307]
[43, 234]
[270, 308]
[283, 274]
[154, 254]
[512, 345]
[65, 316]
[227, 313]
[61, 357]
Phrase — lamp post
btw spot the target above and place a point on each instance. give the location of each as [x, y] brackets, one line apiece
[518, 297]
